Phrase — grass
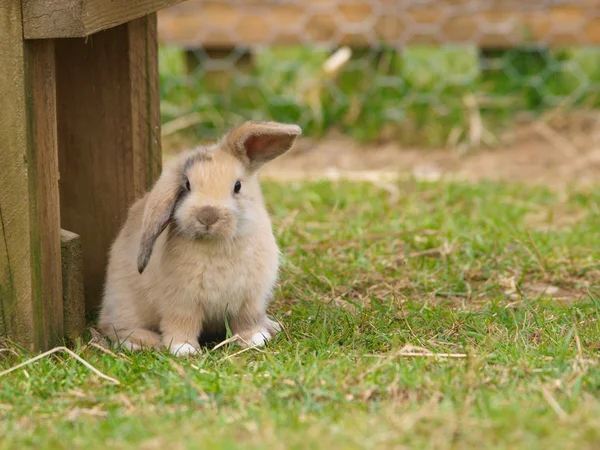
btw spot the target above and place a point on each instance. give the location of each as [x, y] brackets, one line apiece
[504, 274]
[381, 93]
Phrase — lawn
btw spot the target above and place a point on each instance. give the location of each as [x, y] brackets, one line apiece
[493, 285]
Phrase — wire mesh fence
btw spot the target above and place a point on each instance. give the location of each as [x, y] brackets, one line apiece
[424, 72]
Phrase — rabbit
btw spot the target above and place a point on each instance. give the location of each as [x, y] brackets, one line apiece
[199, 249]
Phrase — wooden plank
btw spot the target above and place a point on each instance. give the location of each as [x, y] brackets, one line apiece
[16, 314]
[72, 284]
[30, 312]
[108, 133]
[43, 187]
[145, 102]
[488, 23]
[79, 18]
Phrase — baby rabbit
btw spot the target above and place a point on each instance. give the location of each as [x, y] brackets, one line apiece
[198, 249]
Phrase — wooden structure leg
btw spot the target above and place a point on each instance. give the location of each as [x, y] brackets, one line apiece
[30, 275]
[73, 292]
[108, 135]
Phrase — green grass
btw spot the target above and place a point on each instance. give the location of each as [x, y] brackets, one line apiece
[461, 279]
[418, 96]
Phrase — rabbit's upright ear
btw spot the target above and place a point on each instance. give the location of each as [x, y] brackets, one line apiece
[158, 213]
[256, 143]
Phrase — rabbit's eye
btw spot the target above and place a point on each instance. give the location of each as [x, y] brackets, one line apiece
[187, 185]
[237, 187]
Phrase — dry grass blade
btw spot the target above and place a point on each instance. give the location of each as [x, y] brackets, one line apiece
[181, 123]
[553, 403]
[9, 350]
[475, 121]
[69, 352]
[99, 339]
[578, 343]
[248, 347]
[234, 338]
[412, 350]
[240, 352]
[336, 61]
[409, 351]
[109, 352]
[235, 354]
[285, 331]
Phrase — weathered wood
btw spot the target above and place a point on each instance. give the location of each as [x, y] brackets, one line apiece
[29, 262]
[72, 284]
[488, 23]
[108, 134]
[79, 18]
[145, 102]
[16, 308]
[43, 187]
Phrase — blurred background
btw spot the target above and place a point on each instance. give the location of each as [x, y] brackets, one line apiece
[422, 86]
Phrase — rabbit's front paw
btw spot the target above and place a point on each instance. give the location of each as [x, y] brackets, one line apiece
[184, 349]
[260, 338]
[256, 338]
[256, 333]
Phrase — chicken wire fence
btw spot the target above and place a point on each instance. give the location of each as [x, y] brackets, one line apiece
[428, 72]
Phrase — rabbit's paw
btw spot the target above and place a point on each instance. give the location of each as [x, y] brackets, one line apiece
[184, 349]
[260, 338]
[257, 337]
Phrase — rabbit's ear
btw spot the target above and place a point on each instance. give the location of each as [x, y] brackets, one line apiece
[158, 213]
[256, 143]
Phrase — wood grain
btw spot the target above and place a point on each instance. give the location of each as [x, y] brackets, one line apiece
[44, 19]
[488, 23]
[43, 187]
[30, 274]
[145, 101]
[108, 134]
[72, 285]
[16, 313]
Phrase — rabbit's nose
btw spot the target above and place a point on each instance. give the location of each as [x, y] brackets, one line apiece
[208, 215]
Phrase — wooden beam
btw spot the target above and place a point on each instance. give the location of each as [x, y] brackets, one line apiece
[108, 134]
[29, 262]
[16, 307]
[44, 19]
[73, 290]
[491, 23]
[40, 76]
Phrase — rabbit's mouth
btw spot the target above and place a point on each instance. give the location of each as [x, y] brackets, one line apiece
[219, 230]
[207, 235]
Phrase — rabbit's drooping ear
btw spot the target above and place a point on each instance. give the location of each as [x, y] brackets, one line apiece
[256, 143]
[158, 213]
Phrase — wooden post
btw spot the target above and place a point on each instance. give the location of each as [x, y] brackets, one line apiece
[96, 98]
[43, 188]
[30, 280]
[108, 135]
[73, 292]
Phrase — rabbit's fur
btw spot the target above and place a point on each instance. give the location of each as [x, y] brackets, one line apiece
[186, 260]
